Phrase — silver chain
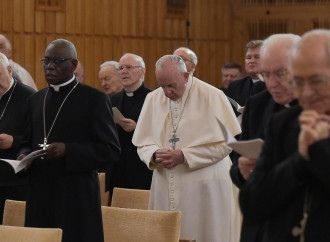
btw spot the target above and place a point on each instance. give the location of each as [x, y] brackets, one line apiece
[173, 126]
[44, 113]
[8, 100]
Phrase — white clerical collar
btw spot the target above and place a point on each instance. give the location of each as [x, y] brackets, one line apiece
[255, 80]
[287, 105]
[130, 94]
[57, 87]
[10, 85]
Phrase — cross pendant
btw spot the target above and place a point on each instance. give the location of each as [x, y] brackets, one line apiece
[173, 140]
[44, 145]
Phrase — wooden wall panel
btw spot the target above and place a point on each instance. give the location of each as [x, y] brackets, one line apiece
[29, 20]
[106, 29]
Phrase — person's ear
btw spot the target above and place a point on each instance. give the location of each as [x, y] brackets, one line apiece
[74, 64]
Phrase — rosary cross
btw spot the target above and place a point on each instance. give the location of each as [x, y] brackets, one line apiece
[173, 140]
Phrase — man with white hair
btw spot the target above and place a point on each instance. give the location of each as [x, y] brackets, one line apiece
[19, 73]
[130, 172]
[178, 136]
[274, 64]
[13, 110]
[189, 57]
[289, 189]
[110, 78]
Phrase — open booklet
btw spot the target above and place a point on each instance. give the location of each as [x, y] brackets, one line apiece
[18, 165]
[239, 108]
[117, 115]
[247, 148]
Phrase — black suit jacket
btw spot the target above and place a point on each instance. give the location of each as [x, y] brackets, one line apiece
[274, 194]
[240, 90]
[130, 171]
[258, 111]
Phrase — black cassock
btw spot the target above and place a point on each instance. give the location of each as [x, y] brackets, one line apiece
[65, 193]
[12, 123]
[130, 171]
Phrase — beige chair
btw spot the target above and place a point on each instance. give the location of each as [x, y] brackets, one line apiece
[14, 213]
[139, 225]
[26, 234]
[130, 198]
[104, 194]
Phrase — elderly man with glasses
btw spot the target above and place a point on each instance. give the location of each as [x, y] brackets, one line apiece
[74, 125]
[274, 57]
[130, 172]
[189, 57]
[289, 189]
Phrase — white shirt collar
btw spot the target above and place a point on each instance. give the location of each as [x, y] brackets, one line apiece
[57, 87]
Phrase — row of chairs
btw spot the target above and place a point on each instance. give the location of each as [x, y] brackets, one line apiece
[119, 224]
[126, 220]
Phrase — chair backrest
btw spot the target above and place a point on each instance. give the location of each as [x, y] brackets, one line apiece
[139, 225]
[130, 198]
[14, 213]
[26, 234]
[104, 194]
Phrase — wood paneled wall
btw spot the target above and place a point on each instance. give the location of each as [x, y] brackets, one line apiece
[106, 29]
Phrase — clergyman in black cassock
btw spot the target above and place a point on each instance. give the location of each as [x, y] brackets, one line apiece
[13, 110]
[130, 172]
[81, 135]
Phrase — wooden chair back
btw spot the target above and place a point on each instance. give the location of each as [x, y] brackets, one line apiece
[14, 213]
[26, 234]
[130, 198]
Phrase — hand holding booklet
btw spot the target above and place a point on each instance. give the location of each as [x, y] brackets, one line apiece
[18, 165]
[247, 148]
[117, 115]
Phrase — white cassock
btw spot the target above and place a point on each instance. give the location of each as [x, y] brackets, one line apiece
[200, 188]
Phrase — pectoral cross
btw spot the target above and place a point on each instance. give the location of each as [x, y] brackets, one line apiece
[44, 145]
[173, 140]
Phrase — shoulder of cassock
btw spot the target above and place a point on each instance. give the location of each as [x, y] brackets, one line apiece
[205, 108]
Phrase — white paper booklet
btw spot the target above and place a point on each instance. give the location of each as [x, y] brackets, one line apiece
[239, 108]
[18, 165]
[117, 115]
[247, 148]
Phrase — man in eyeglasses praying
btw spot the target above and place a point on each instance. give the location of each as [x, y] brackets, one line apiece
[130, 172]
[274, 58]
[74, 125]
[289, 189]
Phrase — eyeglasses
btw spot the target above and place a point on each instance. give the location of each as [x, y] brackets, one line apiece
[46, 61]
[128, 67]
[314, 82]
[279, 75]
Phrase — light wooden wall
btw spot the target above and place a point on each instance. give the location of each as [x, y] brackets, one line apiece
[106, 29]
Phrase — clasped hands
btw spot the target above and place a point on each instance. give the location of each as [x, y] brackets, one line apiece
[314, 127]
[168, 158]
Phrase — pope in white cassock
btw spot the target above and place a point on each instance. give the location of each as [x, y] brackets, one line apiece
[179, 137]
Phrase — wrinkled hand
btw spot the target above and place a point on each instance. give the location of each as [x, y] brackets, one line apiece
[6, 141]
[127, 124]
[54, 151]
[246, 166]
[314, 127]
[169, 158]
